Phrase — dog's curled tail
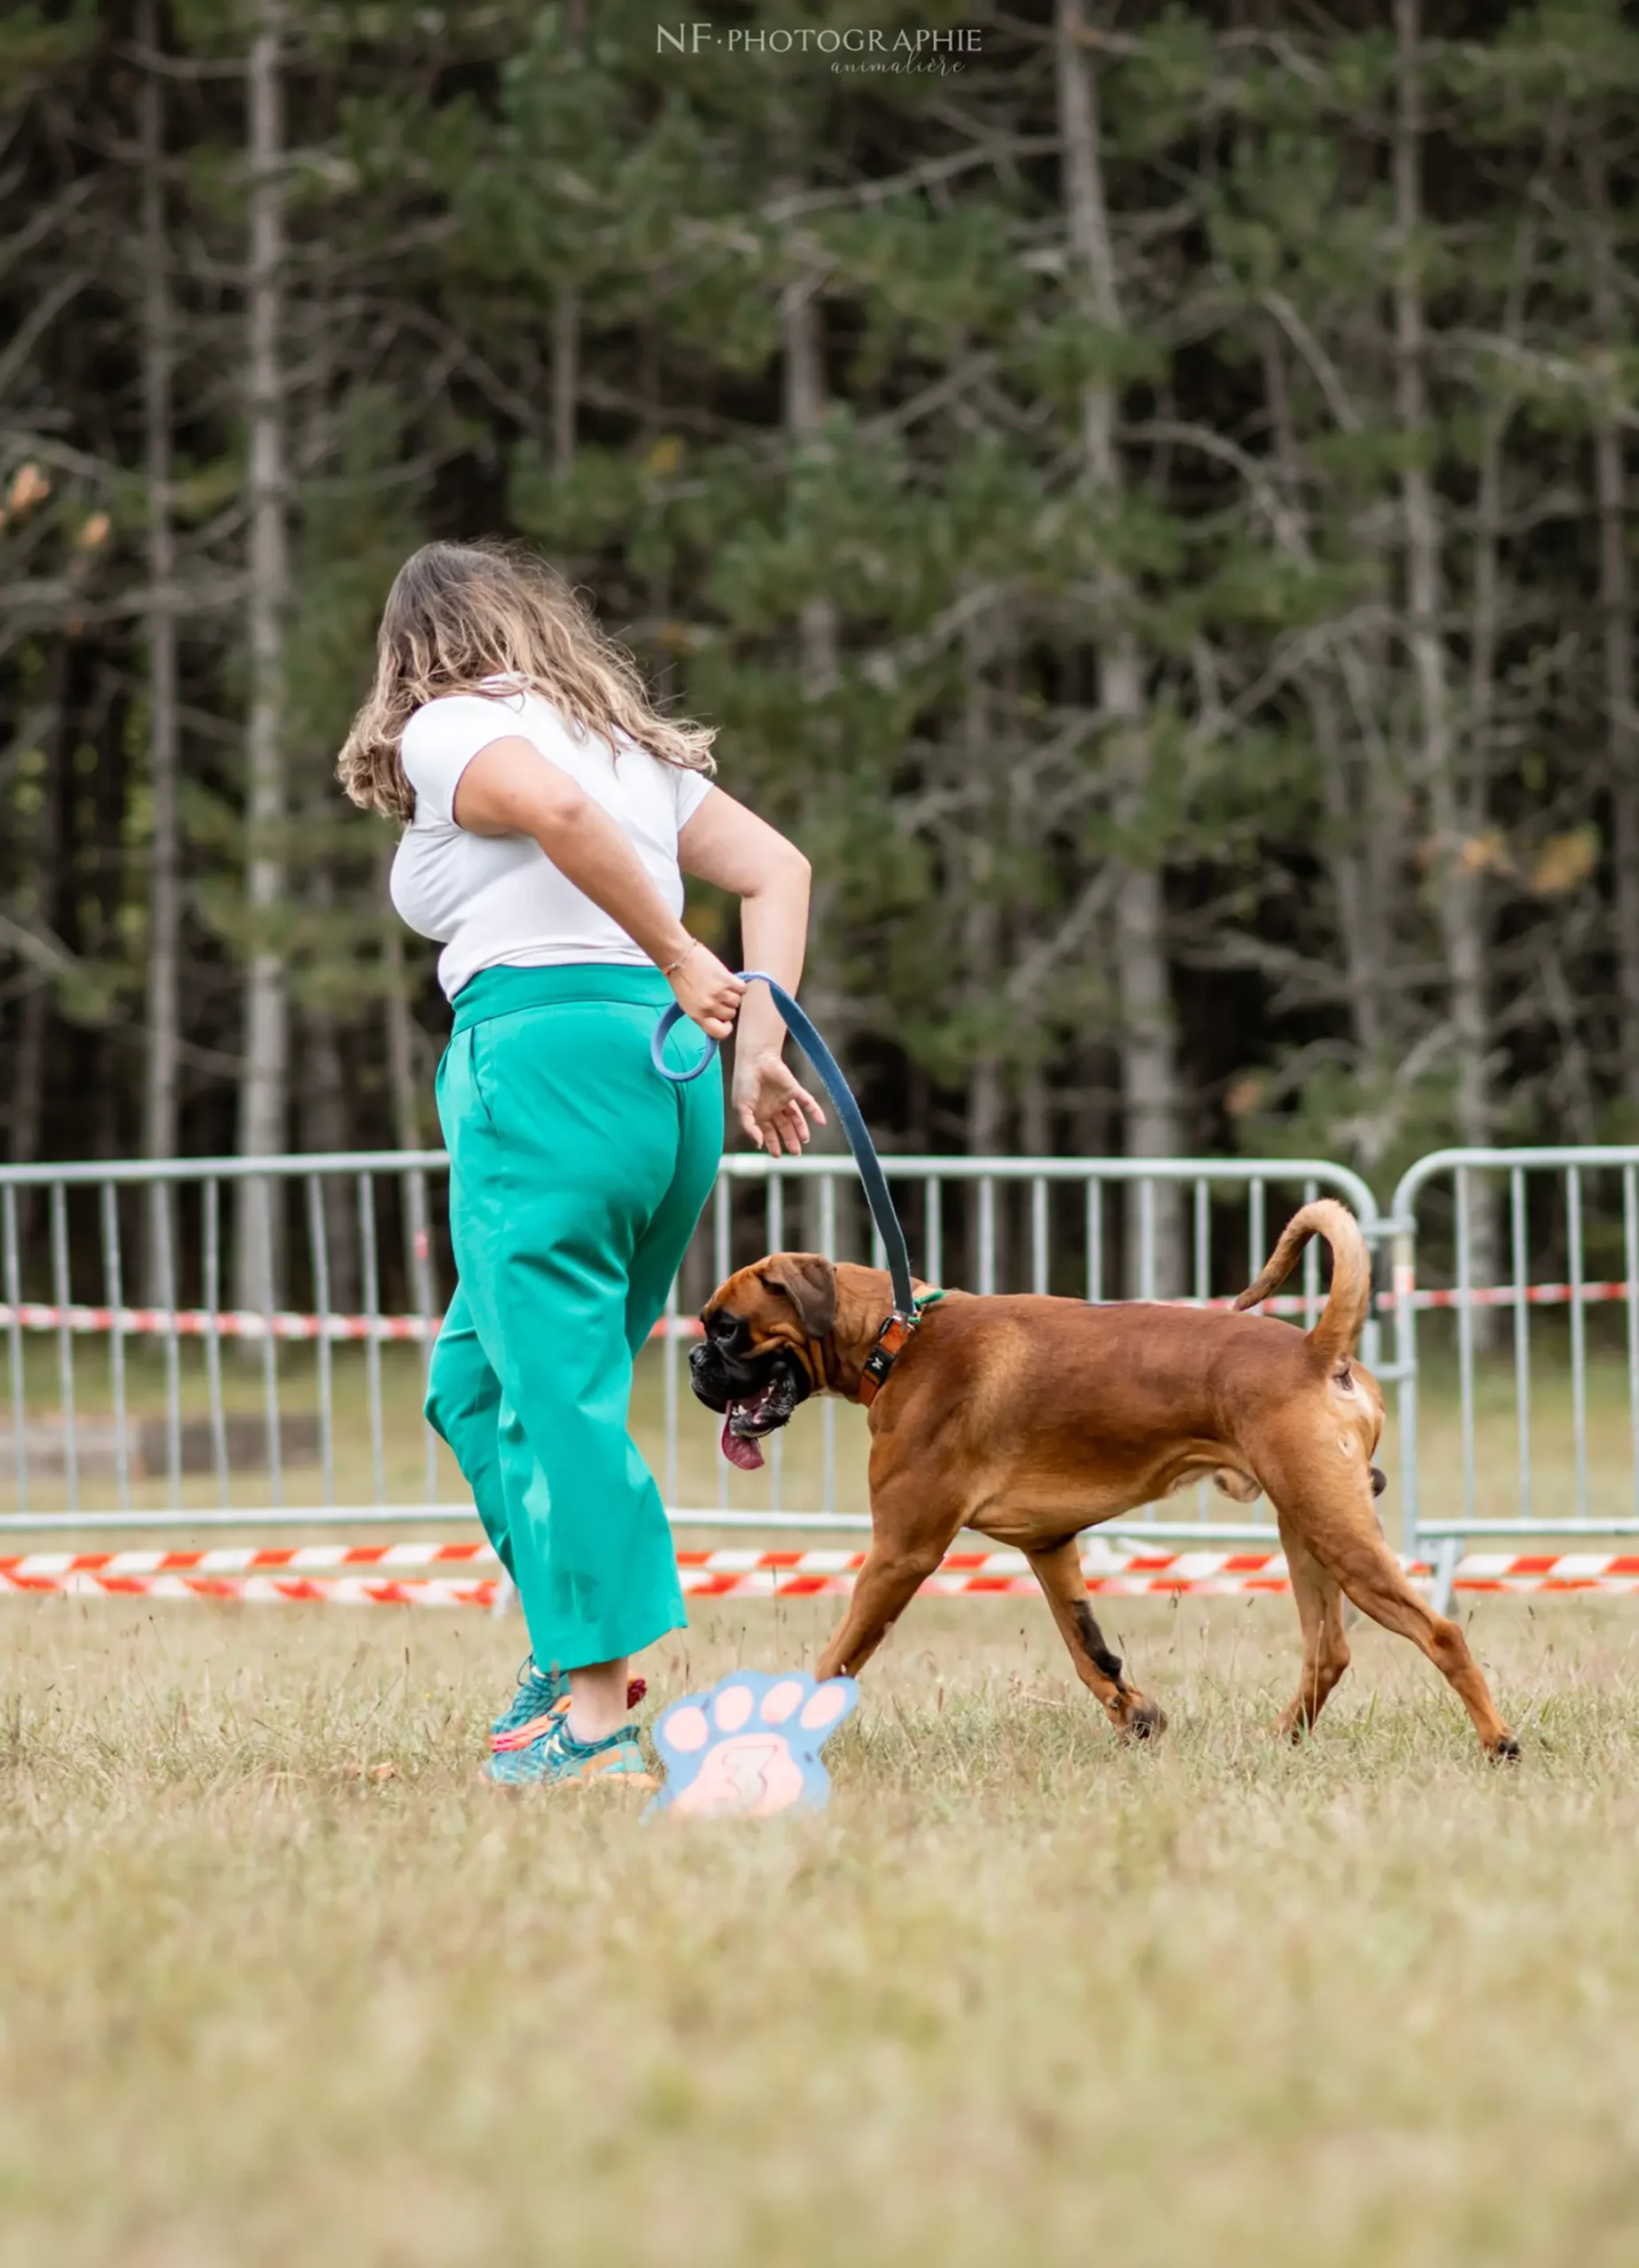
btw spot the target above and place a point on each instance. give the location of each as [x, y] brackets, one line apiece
[1349, 1298]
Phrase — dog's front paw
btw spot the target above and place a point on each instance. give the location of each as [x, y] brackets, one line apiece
[1505, 1751]
[750, 1746]
[1146, 1721]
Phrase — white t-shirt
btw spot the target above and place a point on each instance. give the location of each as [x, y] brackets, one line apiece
[498, 901]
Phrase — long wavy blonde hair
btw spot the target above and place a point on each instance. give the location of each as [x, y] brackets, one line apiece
[460, 614]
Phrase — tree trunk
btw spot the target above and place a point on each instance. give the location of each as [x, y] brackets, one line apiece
[1036, 1101]
[805, 415]
[1359, 926]
[325, 1127]
[107, 849]
[46, 878]
[404, 1074]
[1455, 810]
[1151, 1102]
[1485, 632]
[325, 1120]
[264, 1076]
[162, 1033]
[1617, 627]
[982, 951]
[823, 996]
[566, 320]
[565, 377]
[987, 1096]
[25, 1078]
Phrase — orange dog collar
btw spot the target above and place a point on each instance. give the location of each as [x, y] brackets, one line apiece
[891, 1341]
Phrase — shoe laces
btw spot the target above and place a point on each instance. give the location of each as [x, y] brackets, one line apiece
[535, 1684]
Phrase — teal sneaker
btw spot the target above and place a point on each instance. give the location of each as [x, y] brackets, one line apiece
[555, 1757]
[541, 1694]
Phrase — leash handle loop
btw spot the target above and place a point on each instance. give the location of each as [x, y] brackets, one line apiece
[848, 1111]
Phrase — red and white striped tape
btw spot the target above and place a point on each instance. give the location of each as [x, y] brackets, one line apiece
[249, 1560]
[333, 1574]
[204, 1323]
[258, 1590]
[1511, 1295]
[359, 1590]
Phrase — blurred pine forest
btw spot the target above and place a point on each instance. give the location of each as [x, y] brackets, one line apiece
[1148, 510]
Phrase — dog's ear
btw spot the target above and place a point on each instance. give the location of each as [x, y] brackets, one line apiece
[810, 1283]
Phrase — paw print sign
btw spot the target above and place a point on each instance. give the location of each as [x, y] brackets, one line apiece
[750, 1747]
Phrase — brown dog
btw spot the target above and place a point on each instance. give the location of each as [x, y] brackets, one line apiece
[1030, 1420]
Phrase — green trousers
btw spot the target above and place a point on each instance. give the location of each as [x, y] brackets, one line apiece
[577, 1175]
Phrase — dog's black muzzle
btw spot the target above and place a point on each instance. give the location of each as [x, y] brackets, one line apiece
[757, 1388]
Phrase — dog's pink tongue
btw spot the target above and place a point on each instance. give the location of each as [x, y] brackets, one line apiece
[746, 1455]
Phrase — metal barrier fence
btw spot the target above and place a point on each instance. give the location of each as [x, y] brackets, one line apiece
[1539, 1249]
[316, 1384]
[1514, 1310]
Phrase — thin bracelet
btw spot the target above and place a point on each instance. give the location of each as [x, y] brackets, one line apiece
[682, 957]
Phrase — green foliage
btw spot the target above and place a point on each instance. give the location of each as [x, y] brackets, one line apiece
[899, 608]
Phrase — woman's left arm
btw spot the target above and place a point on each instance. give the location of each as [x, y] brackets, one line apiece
[725, 845]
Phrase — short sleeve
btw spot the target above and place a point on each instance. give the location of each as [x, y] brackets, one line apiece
[690, 789]
[441, 740]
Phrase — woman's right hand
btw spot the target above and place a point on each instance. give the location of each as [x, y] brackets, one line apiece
[707, 992]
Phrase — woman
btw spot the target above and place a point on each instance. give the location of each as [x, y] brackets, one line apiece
[550, 815]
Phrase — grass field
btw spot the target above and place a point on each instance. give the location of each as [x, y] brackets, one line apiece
[282, 1980]
[283, 1983]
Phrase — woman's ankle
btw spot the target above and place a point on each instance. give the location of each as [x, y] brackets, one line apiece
[597, 1701]
[599, 1729]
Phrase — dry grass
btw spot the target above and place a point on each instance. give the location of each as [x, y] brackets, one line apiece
[283, 1982]
[280, 1980]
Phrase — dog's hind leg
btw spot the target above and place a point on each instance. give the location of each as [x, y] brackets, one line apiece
[1058, 1571]
[1374, 1581]
[1326, 1648]
[1333, 1514]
